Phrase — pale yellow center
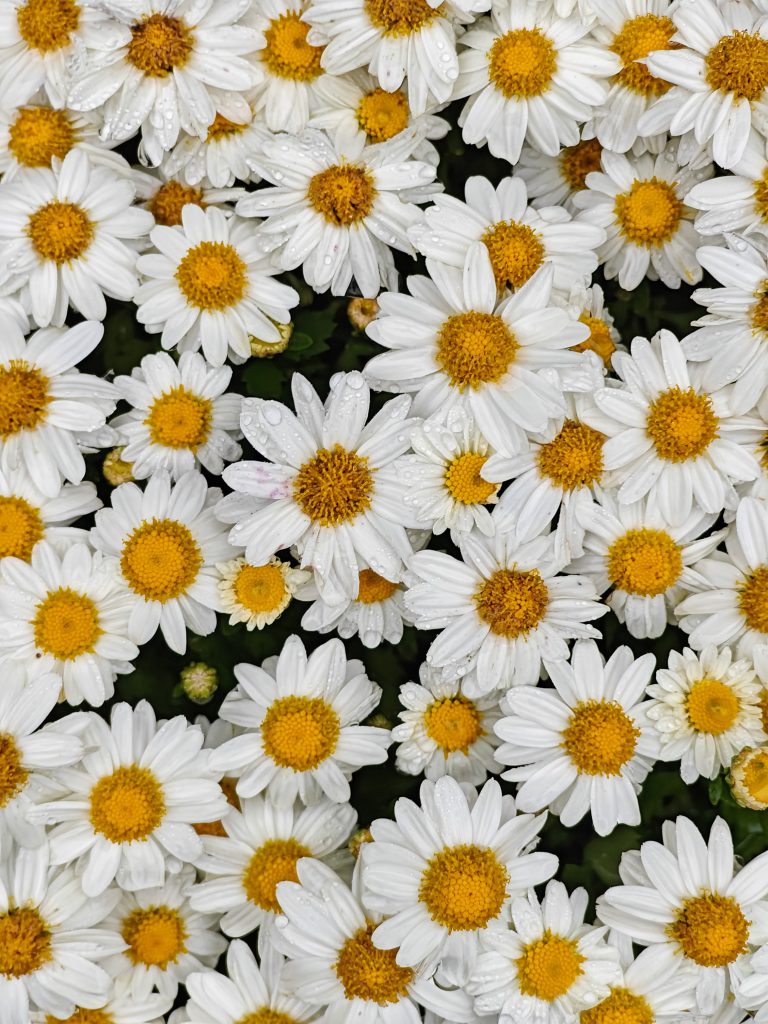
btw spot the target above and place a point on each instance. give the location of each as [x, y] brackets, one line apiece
[60, 232]
[464, 887]
[212, 275]
[260, 588]
[160, 560]
[644, 561]
[156, 936]
[463, 481]
[649, 213]
[300, 732]
[382, 114]
[453, 723]
[600, 737]
[522, 63]
[180, 419]
[128, 805]
[548, 967]
[66, 624]
[681, 424]
[712, 706]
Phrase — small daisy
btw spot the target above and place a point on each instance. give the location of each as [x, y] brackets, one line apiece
[120, 1008]
[66, 238]
[219, 157]
[705, 709]
[210, 286]
[748, 778]
[261, 846]
[651, 989]
[183, 418]
[336, 212]
[445, 871]
[301, 718]
[586, 746]
[166, 195]
[736, 202]
[129, 805]
[555, 180]
[587, 304]
[166, 543]
[258, 594]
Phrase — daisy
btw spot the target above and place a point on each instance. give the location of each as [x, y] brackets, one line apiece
[261, 846]
[162, 67]
[454, 343]
[120, 1008]
[166, 542]
[748, 778]
[258, 594]
[444, 731]
[529, 74]
[586, 746]
[554, 180]
[129, 805]
[337, 208]
[502, 608]
[301, 718]
[182, 416]
[736, 202]
[66, 238]
[165, 195]
[219, 157]
[705, 709]
[688, 896]
[331, 486]
[210, 286]
[587, 304]
[445, 872]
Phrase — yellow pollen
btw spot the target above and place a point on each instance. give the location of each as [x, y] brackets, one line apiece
[287, 53]
[620, 1007]
[650, 213]
[274, 862]
[160, 560]
[463, 481]
[453, 723]
[13, 774]
[710, 929]
[382, 114]
[638, 37]
[464, 887]
[222, 128]
[180, 419]
[474, 349]
[25, 942]
[755, 776]
[170, 199]
[21, 527]
[261, 588]
[600, 737]
[372, 588]
[212, 275]
[574, 458]
[127, 805]
[522, 62]
[753, 599]
[343, 194]
[516, 252]
[512, 603]
[681, 424]
[334, 487]
[300, 732]
[159, 44]
[47, 25]
[371, 974]
[156, 936]
[39, 134]
[644, 561]
[266, 1015]
[576, 162]
[82, 1016]
[66, 624]
[60, 232]
[759, 312]
[401, 17]
[739, 64]
[764, 709]
[548, 967]
[24, 397]
[712, 706]
[600, 339]
[761, 196]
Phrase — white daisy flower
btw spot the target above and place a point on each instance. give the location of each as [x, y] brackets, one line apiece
[261, 846]
[587, 304]
[705, 708]
[502, 608]
[165, 196]
[331, 486]
[258, 594]
[182, 418]
[554, 180]
[585, 747]
[549, 966]
[166, 543]
[736, 202]
[530, 74]
[300, 716]
[66, 238]
[651, 989]
[210, 286]
[219, 157]
[120, 1008]
[687, 895]
[446, 871]
[129, 805]
[337, 208]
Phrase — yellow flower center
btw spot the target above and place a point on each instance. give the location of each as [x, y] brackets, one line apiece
[755, 776]
[13, 774]
[710, 929]
[764, 709]
[60, 232]
[371, 974]
[66, 624]
[160, 560]
[343, 194]
[401, 17]
[464, 887]
[574, 458]
[222, 128]
[287, 53]
[761, 196]
[516, 252]
[260, 588]
[620, 1007]
[212, 275]
[170, 199]
[638, 37]
[681, 424]
[753, 599]
[373, 589]
[274, 862]
[180, 419]
[115, 469]
[127, 805]
[759, 313]
[576, 162]
[463, 481]
[47, 25]
[159, 44]
[453, 723]
[300, 732]
[266, 1015]
[600, 737]
[474, 349]
[382, 114]
[21, 527]
[156, 936]
[25, 942]
[739, 64]
[650, 213]
[522, 62]
[512, 603]
[82, 1016]
[600, 339]
[39, 134]
[334, 487]
[548, 967]
[712, 706]
[24, 397]
[644, 561]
